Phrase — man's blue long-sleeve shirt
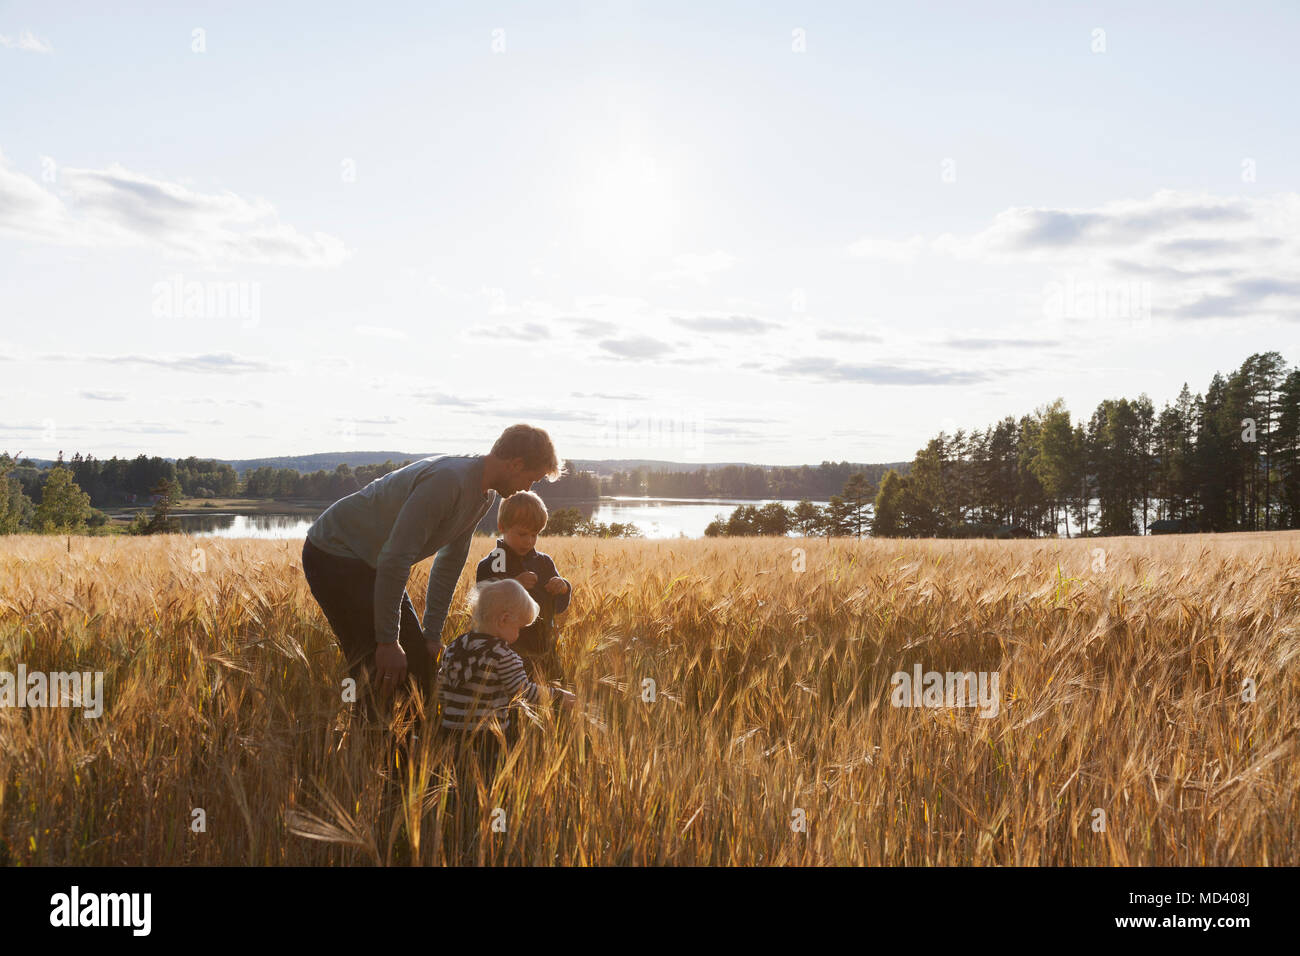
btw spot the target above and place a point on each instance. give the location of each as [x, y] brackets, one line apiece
[430, 507]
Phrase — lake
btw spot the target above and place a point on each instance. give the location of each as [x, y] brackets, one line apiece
[655, 517]
[667, 517]
[245, 526]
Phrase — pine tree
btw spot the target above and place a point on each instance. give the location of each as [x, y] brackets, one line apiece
[887, 521]
[160, 521]
[839, 518]
[857, 497]
[1287, 450]
[1055, 464]
[1266, 373]
[807, 517]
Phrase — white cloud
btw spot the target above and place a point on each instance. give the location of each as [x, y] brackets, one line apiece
[727, 324]
[832, 370]
[977, 342]
[519, 333]
[28, 211]
[1190, 255]
[848, 335]
[26, 41]
[102, 396]
[116, 207]
[220, 363]
[636, 347]
[1175, 224]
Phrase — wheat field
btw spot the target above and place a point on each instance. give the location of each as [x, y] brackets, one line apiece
[768, 735]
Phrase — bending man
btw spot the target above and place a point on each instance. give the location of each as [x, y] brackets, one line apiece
[359, 553]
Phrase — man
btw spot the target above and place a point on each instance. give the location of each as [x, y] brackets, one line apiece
[359, 553]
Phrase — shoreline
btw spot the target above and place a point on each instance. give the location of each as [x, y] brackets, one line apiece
[216, 507]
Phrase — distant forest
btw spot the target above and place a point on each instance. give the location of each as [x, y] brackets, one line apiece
[116, 482]
[1225, 459]
[747, 481]
[140, 481]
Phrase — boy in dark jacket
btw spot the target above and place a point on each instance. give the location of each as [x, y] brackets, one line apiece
[521, 518]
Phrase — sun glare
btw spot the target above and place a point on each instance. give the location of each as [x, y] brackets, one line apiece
[626, 210]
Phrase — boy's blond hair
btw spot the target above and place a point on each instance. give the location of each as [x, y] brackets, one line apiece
[533, 445]
[491, 599]
[523, 509]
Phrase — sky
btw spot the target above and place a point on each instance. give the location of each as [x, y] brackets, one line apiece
[777, 233]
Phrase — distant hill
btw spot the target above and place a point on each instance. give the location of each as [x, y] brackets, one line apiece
[330, 460]
[604, 466]
[327, 460]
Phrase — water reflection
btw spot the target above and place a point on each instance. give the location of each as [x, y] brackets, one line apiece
[655, 517]
[246, 526]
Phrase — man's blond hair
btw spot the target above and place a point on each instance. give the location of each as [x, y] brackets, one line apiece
[533, 445]
[523, 509]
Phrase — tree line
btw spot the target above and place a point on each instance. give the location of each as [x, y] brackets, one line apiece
[62, 506]
[845, 514]
[119, 482]
[816, 482]
[1226, 459]
[570, 523]
[67, 497]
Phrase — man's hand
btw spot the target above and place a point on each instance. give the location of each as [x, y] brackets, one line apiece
[390, 666]
[557, 586]
[528, 579]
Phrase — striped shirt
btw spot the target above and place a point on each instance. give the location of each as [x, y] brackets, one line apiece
[479, 679]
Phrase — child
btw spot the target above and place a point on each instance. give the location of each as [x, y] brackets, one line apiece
[480, 679]
[521, 519]
[481, 676]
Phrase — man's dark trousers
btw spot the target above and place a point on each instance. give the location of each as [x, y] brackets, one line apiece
[345, 590]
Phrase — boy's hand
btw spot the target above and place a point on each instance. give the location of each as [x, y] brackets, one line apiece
[557, 586]
[528, 579]
[567, 700]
